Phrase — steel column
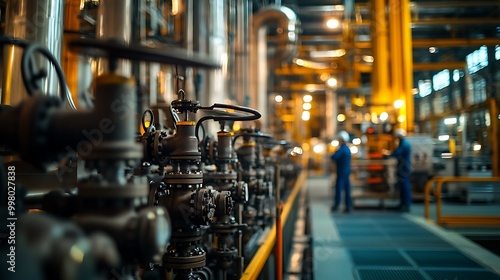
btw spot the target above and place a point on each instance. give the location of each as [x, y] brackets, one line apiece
[407, 64]
[380, 75]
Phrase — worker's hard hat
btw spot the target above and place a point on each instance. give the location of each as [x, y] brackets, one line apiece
[344, 136]
[400, 133]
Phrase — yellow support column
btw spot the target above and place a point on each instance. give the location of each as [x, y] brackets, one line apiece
[396, 57]
[407, 49]
[381, 95]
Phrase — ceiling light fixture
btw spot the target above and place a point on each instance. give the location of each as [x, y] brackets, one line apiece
[368, 58]
[311, 64]
[331, 82]
[332, 23]
[327, 53]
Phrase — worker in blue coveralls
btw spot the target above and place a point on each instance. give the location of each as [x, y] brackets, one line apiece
[402, 153]
[342, 159]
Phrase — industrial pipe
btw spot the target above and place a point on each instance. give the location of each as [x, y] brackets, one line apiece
[38, 22]
[287, 25]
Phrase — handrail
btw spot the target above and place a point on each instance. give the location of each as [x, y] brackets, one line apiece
[457, 220]
[255, 266]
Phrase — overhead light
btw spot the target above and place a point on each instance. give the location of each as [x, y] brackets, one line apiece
[318, 149]
[398, 103]
[331, 82]
[307, 98]
[433, 50]
[368, 58]
[456, 75]
[449, 121]
[341, 117]
[356, 141]
[401, 118]
[299, 61]
[332, 23]
[306, 106]
[384, 116]
[311, 88]
[306, 115]
[327, 53]
[278, 98]
[476, 147]
[354, 149]
[311, 64]
[446, 155]
[444, 137]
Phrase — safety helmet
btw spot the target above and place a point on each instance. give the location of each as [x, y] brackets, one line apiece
[343, 135]
[400, 133]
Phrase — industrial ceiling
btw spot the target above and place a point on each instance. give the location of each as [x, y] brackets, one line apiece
[443, 34]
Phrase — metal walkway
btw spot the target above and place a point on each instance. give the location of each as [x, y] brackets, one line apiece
[386, 245]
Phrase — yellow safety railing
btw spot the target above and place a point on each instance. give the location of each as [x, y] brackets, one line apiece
[456, 220]
[255, 266]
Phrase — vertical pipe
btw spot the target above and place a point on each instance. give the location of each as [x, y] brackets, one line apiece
[188, 25]
[494, 137]
[407, 48]
[331, 113]
[114, 21]
[380, 74]
[395, 46]
[439, 207]
[201, 27]
[217, 49]
[352, 75]
[36, 21]
[231, 47]
[286, 20]
[241, 52]
[70, 61]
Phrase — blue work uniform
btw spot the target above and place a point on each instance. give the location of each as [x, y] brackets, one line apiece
[403, 154]
[342, 158]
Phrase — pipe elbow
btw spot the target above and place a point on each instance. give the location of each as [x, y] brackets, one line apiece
[288, 28]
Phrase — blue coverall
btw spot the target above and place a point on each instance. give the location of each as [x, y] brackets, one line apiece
[342, 158]
[403, 155]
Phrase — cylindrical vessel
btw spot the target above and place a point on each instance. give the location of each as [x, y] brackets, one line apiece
[114, 21]
[40, 22]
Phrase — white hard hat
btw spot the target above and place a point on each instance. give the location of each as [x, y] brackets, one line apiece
[343, 135]
[400, 133]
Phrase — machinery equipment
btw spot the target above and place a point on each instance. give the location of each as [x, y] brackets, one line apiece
[137, 198]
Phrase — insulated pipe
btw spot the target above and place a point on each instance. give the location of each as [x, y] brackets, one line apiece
[114, 21]
[217, 48]
[242, 43]
[238, 51]
[288, 27]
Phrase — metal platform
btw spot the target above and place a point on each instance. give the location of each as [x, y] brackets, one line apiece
[382, 244]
